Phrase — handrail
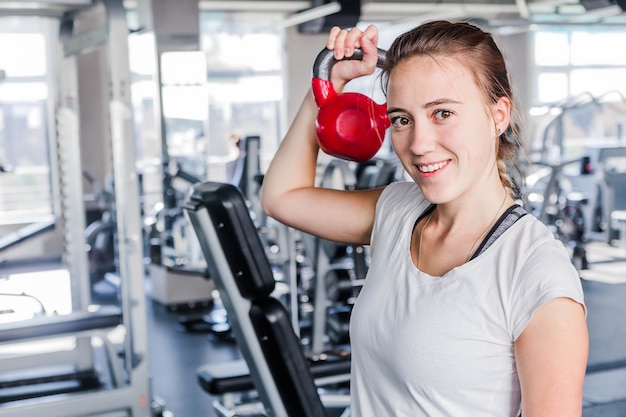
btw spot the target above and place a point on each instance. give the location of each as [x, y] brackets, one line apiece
[25, 233]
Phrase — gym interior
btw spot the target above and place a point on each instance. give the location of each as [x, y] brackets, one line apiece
[134, 136]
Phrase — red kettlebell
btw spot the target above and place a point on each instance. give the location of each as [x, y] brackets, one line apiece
[350, 126]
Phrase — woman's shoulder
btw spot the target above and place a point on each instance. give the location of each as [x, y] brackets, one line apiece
[532, 243]
[398, 206]
[401, 197]
[399, 202]
[535, 230]
[399, 190]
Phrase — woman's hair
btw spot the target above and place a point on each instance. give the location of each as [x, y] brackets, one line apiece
[478, 51]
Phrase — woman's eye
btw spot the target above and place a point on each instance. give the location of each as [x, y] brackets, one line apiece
[399, 121]
[442, 114]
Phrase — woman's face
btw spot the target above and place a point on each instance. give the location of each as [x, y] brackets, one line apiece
[441, 129]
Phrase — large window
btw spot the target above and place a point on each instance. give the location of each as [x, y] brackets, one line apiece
[231, 88]
[25, 190]
[580, 89]
[575, 60]
[244, 55]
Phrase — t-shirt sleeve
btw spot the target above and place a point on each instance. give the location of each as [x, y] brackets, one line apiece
[398, 202]
[546, 274]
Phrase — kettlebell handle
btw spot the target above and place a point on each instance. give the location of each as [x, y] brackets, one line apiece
[326, 59]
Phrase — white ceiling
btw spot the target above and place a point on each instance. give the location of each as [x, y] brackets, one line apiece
[494, 12]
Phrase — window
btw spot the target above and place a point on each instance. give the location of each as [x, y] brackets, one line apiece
[232, 87]
[25, 190]
[244, 86]
[577, 60]
[581, 74]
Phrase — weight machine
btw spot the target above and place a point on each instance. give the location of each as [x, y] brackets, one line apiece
[577, 161]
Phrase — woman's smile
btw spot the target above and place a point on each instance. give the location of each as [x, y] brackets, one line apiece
[431, 167]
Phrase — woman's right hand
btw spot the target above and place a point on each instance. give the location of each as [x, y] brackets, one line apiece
[343, 42]
[289, 193]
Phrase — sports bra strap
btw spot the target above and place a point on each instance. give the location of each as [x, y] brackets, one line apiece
[508, 218]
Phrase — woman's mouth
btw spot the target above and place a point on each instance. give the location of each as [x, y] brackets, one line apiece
[431, 167]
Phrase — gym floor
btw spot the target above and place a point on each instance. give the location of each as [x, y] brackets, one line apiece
[175, 354]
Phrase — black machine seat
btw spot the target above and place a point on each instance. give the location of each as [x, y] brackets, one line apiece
[220, 379]
[237, 261]
[283, 352]
[237, 236]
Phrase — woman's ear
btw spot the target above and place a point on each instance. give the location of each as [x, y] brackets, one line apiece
[502, 113]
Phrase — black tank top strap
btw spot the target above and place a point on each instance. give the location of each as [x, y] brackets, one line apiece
[425, 213]
[508, 218]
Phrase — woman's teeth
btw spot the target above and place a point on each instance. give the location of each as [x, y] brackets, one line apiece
[431, 167]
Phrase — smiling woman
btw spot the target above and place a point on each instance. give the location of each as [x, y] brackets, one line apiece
[470, 307]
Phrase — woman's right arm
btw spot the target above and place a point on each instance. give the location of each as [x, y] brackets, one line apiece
[289, 193]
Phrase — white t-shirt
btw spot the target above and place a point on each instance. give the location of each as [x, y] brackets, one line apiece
[443, 346]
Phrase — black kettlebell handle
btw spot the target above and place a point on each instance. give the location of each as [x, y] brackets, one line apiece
[326, 59]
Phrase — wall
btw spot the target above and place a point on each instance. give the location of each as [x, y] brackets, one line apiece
[93, 92]
[301, 50]
[517, 50]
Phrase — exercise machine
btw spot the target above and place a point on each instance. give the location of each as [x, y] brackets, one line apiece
[280, 372]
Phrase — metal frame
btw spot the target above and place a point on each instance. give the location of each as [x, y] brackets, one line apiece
[102, 25]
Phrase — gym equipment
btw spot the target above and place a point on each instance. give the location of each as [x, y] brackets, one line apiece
[377, 172]
[96, 32]
[177, 280]
[614, 185]
[588, 127]
[341, 268]
[340, 285]
[179, 288]
[177, 272]
[343, 281]
[27, 376]
[25, 233]
[243, 275]
[349, 125]
[337, 174]
[550, 196]
[100, 236]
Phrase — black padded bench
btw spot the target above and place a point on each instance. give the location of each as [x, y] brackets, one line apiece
[237, 262]
[220, 379]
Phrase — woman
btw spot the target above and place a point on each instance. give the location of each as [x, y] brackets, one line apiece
[470, 307]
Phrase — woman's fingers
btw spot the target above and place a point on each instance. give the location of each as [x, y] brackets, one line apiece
[370, 53]
[343, 42]
[332, 36]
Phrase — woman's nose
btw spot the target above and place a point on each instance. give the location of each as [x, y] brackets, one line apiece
[422, 139]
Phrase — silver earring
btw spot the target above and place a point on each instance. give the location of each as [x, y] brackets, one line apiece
[499, 132]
